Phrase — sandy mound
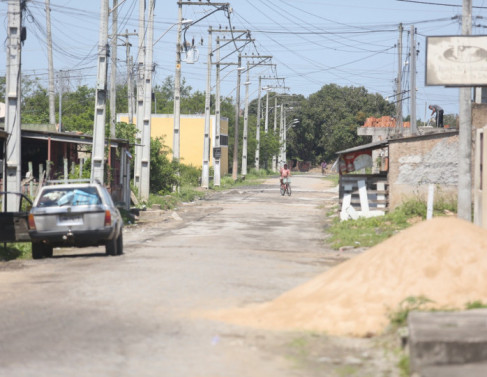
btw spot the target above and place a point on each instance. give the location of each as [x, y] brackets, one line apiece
[444, 259]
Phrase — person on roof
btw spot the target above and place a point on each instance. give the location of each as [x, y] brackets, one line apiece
[439, 114]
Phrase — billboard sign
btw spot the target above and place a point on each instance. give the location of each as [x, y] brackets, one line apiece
[456, 60]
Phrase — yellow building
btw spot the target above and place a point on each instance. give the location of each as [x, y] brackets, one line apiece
[192, 130]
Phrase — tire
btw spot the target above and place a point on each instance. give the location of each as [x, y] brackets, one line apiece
[288, 189]
[283, 190]
[111, 247]
[120, 243]
[38, 250]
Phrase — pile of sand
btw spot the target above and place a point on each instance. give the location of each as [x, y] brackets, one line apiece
[444, 259]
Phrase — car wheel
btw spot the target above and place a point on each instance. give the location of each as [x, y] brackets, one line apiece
[111, 247]
[120, 243]
[37, 250]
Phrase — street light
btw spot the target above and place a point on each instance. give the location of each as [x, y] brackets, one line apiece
[183, 22]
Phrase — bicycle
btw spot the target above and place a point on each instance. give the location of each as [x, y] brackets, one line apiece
[286, 186]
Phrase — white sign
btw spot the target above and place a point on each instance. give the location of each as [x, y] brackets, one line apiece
[456, 60]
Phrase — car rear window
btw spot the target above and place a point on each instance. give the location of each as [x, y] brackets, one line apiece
[53, 197]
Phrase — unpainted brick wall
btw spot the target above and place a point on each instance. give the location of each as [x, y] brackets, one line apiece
[414, 163]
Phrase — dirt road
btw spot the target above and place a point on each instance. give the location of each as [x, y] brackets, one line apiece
[84, 314]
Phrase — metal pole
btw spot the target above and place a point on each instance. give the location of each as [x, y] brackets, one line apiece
[113, 70]
[216, 159]
[257, 127]
[205, 171]
[140, 95]
[52, 96]
[465, 134]
[146, 130]
[177, 90]
[414, 128]
[237, 115]
[98, 154]
[246, 123]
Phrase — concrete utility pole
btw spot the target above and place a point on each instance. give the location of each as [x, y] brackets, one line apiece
[216, 158]
[412, 67]
[266, 122]
[140, 95]
[52, 94]
[205, 171]
[464, 210]
[274, 157]
[98, 153]
[246, 123]
[146, 131]
[399, 82]
[257, 127]
[282, 138]
[130, 79]
[176, 154]
[237, 115]
[113, 70]
[12, 175]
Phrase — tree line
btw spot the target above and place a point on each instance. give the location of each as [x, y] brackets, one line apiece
[326, 120]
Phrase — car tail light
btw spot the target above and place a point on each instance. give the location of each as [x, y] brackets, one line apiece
[32, 223]
[108, 218]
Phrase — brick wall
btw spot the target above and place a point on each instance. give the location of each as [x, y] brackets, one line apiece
[416, 162]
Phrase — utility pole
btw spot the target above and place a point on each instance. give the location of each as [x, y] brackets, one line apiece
[237, 115]
[216, 157]
[274, 157]
[257, 127]
[113, 70]
[61, 88]
[12, 175]
[282, 137]
[465, 134]
[399, 82]
[176, 154]
[146, 131]
[52, 95]
[130, 88]
[205, 175]
[246, 123]
[266, 122]
[140, 96]
[98, 153]
[412, 66]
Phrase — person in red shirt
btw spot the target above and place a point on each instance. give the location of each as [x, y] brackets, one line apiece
[285, 172]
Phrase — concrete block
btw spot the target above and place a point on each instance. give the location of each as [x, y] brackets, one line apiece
[447, 339]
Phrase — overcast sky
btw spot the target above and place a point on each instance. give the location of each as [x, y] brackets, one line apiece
[313, 42]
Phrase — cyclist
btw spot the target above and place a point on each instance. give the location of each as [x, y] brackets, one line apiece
[285, 173]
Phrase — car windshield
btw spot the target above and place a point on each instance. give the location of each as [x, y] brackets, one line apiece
[69, 197]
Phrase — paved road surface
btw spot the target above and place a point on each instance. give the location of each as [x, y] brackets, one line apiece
[84, 314]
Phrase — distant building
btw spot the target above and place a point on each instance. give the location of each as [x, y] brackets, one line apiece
[192, 129]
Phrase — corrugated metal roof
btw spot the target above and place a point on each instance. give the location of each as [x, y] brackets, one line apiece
[374, 145]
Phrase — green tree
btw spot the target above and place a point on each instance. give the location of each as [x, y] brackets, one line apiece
[329, 118]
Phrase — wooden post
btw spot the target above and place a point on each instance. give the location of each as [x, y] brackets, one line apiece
[31, 175]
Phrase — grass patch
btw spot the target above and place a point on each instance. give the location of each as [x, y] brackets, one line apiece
[475, 305]
[18, 250]
[399, 317]
[404, 366]
[365, 232]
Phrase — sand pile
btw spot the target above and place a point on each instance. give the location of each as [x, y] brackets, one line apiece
[444, 259]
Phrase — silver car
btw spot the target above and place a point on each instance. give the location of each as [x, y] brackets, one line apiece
[76, 215]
